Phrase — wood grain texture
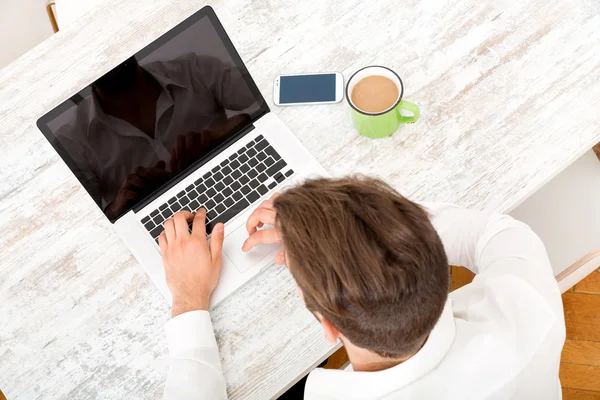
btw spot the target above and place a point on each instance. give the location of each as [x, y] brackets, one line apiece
[591, 284]
[505, 105]
[576, 394]
[581, 352]
[577, 376]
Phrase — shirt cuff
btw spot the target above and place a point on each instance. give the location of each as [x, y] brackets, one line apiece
[190, 330]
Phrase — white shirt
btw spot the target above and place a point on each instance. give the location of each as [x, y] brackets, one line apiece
[499, 337]
[195, 94]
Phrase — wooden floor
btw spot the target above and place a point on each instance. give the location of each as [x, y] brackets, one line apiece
[580, 364]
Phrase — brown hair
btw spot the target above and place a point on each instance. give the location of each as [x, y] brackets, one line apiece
[367, 259]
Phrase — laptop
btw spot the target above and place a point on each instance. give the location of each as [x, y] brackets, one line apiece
[179, 126]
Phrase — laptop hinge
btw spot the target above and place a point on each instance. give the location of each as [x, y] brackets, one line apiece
[192, 168]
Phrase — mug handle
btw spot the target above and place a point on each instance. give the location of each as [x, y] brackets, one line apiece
[408, 106]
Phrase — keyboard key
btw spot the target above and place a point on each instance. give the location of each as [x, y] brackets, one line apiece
[235, 186]
[269, 161]
[198, 181]
[289, 173]
[210, 204]
[262, 189]
[271, 151]
[234, 164]
[192, 194]
[180, 194]
[236, 174]
[202, 199]
[227, 192]
[219, 186]
[218, 198]
[149, 225]
[243, 158]
[244, 179]
[261, 145]
[201, 188]
[226, 171]
[254, 184]
[184, 200]
[194, 205]
[261, 156]
[215, 169]
[145, 219]
[272, 185]
[172, 200]
[252, 197]
[224, 163]
[246, 189]
[227, 215]
[228, 202]
[245, 168]
[156, 231]
[237, 195]
[260, 167]
[259, 138]
[275, 167]
[218, 176]
[207, 175]
[251, 152]
[240, 151]
[209, 182]
[163, 207]
[175, 207]
[186, 208]
[211, 215]
[154, 213]
[262, 177]
[227, 180]
[252, 162]
[211, 192]
[167, 214]
[158, 219]
[252, 174]
[189, 187]
[279, 177]
[231, 157]
[220, 208]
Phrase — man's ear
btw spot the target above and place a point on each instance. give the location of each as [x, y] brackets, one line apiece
[331, 333]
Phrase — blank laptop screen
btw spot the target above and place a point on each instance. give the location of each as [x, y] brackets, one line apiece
[159, 113]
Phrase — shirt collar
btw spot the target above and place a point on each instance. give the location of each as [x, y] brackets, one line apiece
[358, 385]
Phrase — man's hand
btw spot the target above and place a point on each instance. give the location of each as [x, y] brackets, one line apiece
[264, 214]
[137, 184]
[191, 267]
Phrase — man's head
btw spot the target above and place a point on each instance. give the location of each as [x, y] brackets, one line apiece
[367, 260]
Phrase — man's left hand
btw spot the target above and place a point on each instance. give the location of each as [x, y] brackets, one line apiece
[191, 267]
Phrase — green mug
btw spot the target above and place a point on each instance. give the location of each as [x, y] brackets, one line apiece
[380, 124]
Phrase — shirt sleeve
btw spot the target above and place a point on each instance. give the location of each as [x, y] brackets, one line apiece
[195, 371]
[508, 258]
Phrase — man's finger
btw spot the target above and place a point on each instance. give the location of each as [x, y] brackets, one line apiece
[181, 223]
[260, 237]
[199, 224]
[169, 231]
[258, 217]
[162, 242]
[216, 243]
[280, 258]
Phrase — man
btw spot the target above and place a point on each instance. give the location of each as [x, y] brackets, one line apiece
[373, 269]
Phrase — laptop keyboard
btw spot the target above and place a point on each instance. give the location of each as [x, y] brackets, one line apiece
[228, 188]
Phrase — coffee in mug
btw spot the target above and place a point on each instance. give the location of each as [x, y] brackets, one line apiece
[375, 95]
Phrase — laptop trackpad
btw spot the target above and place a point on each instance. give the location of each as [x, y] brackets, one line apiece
[232, 246]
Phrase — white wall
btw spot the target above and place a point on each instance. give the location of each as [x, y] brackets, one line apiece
[23, 25]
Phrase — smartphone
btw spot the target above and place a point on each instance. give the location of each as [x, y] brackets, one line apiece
[301, 89]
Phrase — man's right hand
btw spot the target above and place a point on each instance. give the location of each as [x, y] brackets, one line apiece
[264, 214]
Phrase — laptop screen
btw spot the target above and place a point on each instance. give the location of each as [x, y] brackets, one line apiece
[162, 112]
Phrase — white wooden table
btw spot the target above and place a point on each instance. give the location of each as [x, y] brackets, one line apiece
[509, 93]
